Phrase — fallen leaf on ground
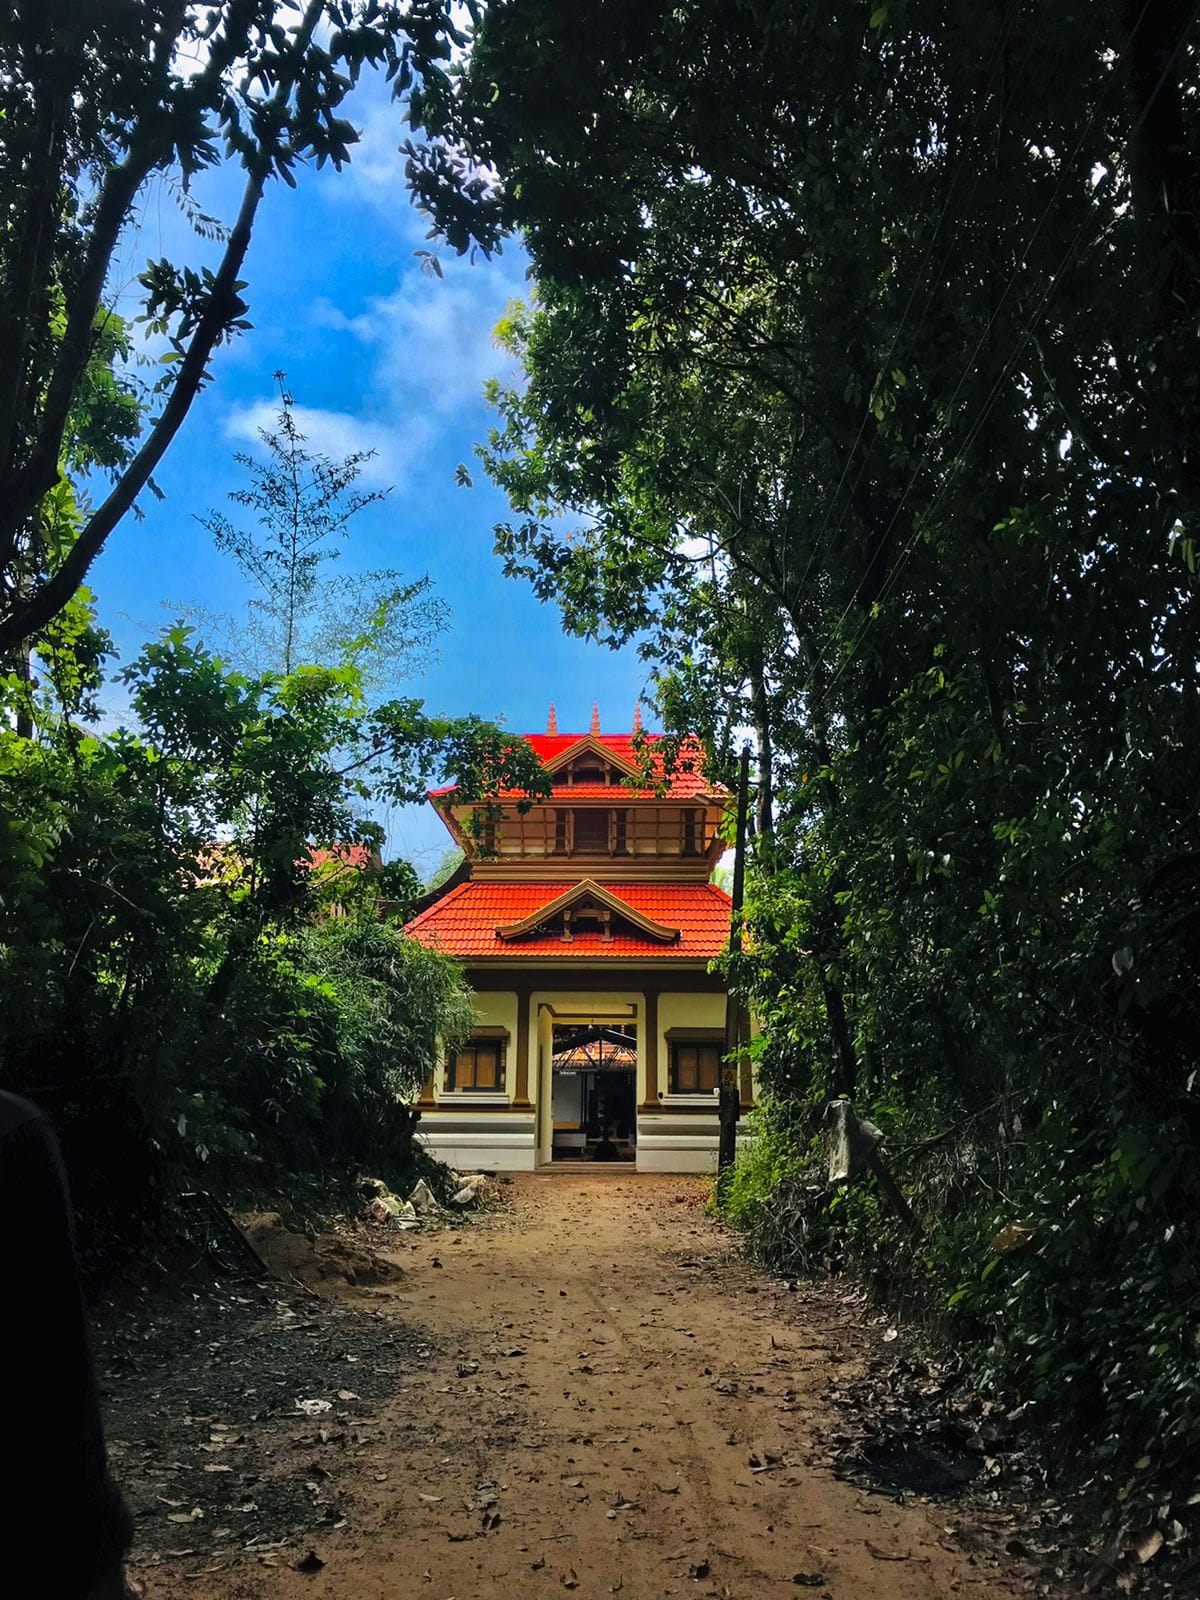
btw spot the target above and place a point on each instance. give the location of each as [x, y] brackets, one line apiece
[1147, 1544]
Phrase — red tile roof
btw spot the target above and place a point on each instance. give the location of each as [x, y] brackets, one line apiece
[687, 780]
[464, 922]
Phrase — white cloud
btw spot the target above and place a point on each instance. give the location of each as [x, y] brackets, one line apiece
[432, 337]
[337, 434]
[376, 170]
[435, 338]
[376, 175]
[427, 349]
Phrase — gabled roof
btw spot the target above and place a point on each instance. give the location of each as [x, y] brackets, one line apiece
[597, 1047]
[593, 744]
[631, 754]
[464, 923]
[350, 857]
[588, 889]
[460, 875]
[220, 860]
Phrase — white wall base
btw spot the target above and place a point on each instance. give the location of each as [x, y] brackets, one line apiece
[674, 1158]
[680, 1145]
[684, 1149]
[481, 1152]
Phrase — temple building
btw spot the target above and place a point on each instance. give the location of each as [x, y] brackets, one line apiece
[586, 927]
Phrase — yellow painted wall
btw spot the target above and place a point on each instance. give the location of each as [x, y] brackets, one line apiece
[685, 1011]
[493, 1009]
[498, 1009]
[540, 1087]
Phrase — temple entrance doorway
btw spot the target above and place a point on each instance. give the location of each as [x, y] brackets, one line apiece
[594, 1093]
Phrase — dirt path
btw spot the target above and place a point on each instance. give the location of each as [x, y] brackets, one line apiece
[611, 1404]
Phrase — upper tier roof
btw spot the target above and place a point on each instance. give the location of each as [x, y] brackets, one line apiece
[465, 922]
[685, 782]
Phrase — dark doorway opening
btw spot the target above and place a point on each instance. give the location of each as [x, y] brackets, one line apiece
[594, 1077]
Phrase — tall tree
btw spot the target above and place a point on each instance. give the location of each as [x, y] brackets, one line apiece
[303, 504]
[96, 102]
[870, 308]
[162, 941]
[859, 380]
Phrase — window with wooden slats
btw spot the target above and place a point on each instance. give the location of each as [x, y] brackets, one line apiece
[694, 1068]
[591, 833]
[477, 1067]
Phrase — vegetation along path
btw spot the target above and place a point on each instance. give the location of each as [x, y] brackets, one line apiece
[594, 1395]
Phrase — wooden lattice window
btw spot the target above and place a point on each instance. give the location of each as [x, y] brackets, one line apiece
[591, 833]
[478, 1068]
[591, 769]
[695, 1066]
[691, 833]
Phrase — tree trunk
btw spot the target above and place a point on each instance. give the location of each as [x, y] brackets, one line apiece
[764, 803]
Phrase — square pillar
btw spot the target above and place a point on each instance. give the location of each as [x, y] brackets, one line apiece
[650, 1100]
[521, 1088]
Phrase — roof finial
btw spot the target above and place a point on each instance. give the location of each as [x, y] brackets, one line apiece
[595, 727]
[552, 720]
[637, 716]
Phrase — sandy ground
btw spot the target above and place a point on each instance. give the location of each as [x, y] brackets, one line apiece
[609, 1402]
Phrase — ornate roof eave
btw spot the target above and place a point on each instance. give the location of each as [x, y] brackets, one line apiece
[589, 889]
[443, 804]
[591, 742]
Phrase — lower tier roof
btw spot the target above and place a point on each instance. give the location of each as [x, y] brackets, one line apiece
[464, 922]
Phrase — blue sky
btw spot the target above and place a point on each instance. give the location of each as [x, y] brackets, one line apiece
[379, 355]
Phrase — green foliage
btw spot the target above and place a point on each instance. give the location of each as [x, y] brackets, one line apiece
[860, 389]
[198, 978]
[97, 103]
[301, 611]
[774, 1193]
[448, 865]
[1083, 1324]
[328, 1034]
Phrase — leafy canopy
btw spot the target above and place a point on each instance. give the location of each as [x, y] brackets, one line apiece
[97, 102]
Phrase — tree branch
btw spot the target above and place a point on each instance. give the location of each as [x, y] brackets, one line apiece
[41, 473]
[57, 589]
[44, 179]
[149, 144]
